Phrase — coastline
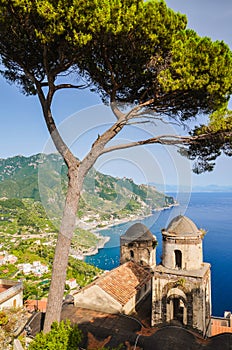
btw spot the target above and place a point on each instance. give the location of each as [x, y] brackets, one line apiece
[133, 218]
[100, 245]
[93, 227]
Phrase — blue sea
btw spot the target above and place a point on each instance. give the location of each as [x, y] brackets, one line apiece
[211, 211]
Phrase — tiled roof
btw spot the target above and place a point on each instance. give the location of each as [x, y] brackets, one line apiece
[123, 282]
[219, 326]
[31, 305]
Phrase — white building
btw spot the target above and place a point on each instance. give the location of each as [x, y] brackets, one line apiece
[11, 294]
[36, 268]
[72, 283]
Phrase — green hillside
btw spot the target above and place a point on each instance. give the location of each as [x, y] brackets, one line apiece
[32, 190]
[43, 178]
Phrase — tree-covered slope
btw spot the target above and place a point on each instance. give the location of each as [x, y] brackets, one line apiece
[43, 178]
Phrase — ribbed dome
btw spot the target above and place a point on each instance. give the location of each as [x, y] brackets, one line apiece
[182, 226]
[138, 232]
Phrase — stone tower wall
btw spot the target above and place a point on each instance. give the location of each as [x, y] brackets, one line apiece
[141, 252]
[193, 293]
[190, 250]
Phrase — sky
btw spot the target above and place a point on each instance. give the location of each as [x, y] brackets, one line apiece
[23, 130]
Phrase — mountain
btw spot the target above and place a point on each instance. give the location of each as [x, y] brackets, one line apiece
[195, 188]
[43, 178]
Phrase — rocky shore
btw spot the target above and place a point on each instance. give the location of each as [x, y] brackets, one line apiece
[101, 244]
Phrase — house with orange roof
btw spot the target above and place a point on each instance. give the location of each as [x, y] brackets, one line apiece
[221, 324]
[36, 305]
[117, 291]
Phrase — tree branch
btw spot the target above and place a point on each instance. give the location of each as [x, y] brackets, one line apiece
[168, 140]
[70, 86]
[134, 111]
[99, 144]
[59, 143]
[150, 117]
[116, 111]
[163, 139]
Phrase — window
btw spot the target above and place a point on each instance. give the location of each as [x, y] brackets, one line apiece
[131, 254]
[178, 259]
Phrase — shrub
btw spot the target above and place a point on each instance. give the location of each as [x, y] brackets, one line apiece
[62, 336]
[3, 318]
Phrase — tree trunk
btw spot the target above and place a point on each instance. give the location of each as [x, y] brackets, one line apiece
[77, 172]
[60, 263]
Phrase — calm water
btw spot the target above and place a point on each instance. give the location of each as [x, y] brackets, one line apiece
[211, 211]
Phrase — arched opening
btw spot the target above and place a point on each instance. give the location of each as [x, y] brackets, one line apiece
[178, 259]
[176, 306]
[178, 309]
[132, 254]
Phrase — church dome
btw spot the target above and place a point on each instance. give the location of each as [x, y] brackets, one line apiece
[138, 232]
[182, 226]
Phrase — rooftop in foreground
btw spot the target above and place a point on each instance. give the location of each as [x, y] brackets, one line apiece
[111, 330]
[107, 330]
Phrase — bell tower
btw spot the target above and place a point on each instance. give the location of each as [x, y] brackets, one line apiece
[138, 244]
[181, 286]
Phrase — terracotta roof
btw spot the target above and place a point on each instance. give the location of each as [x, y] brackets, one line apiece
[31, 305]
[138, 232]
[182, 226]
[4, 287]
[123, 282]
[220, 325]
